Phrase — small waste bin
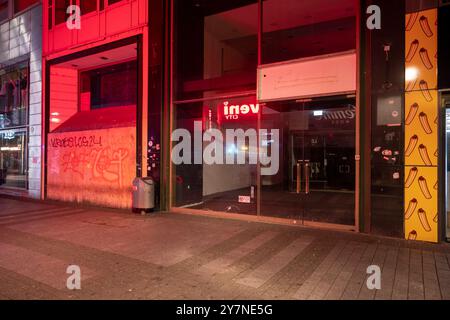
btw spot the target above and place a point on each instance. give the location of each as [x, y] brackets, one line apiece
[143, 195]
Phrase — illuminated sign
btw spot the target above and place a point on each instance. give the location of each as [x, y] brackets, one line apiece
[8, 135]
[18, 148]
[232, 112]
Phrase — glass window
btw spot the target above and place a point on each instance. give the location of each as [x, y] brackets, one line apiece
[88, 6]
[215, 47]
[4, 10]
[305, 28]
[100, 98]
[99, 84]
[387, 132]
[20, 5]
[13, 96]
[13, 158]
[61, 15]
[13, 121]
[218, 184]
[110, 2]
[316, 153]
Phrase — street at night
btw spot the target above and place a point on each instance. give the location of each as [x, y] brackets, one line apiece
[224, 158]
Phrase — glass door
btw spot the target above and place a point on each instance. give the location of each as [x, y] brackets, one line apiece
[316, 177]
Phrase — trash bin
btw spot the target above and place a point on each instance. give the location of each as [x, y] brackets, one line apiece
[143, 195]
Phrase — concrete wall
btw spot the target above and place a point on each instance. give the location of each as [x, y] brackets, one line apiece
[21, 39]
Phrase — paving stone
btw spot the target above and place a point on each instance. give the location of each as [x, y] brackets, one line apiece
[173, 256]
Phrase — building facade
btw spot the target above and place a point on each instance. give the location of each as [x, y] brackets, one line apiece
[325, 113]
[20, 97]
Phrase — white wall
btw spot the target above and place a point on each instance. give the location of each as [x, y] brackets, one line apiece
[21, 38]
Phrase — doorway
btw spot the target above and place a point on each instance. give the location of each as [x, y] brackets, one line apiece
[316, 179]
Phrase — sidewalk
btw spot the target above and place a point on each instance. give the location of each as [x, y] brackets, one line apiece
[171, 256]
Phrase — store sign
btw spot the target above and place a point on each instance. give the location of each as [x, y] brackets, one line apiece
[233, 112]
[342, 114]
[8, 135]
[245, 199]
[313, 76]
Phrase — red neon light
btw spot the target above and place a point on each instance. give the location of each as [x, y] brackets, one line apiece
[232, 112]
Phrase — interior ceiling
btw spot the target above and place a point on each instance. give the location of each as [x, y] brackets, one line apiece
[278, 15]
[112, 56]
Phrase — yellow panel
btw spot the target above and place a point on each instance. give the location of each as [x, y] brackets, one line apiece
[421, 205]
[421, 50]
[421, 128]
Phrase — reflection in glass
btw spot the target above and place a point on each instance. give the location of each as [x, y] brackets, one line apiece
[221, 185]
[316, 180]
[305, 28]
[13, 158]
[13, 96]
[215, 47]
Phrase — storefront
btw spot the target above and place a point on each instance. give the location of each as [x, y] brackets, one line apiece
[282, 111]
[325, 98]
[20, 98]
[243, 73]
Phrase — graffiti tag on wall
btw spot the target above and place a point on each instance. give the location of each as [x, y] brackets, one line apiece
[92, 166]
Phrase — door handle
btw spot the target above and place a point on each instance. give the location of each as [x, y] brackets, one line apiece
[299, 177]
[307, 174]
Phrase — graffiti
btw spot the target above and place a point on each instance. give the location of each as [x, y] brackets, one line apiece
[76, 142]
[101, 164]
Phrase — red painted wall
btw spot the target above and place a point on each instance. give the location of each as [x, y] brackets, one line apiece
[121, 17]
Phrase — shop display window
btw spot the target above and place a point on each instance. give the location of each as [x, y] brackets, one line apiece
[13, 158]
[13, 96]
[87, 96]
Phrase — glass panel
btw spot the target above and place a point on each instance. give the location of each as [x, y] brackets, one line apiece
[215, 47]
[85, 101]
[13, 96]
[329, 147]
[110, 2]
[3, 10]
[224, 179]
[88, 6]
[20, 5]
[281, 193]
[50, 18]
[13, 157]
[387, 136]
[294, 29]
[447, 163]
[61, 15]
[98, 84]
[316, 179]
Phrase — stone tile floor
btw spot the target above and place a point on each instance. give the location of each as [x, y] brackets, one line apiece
[172, 256]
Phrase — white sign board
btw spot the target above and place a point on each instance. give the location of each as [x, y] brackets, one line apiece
[315, 76]
[245, 199]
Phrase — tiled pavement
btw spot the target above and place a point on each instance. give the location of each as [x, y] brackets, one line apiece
[170, 256]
